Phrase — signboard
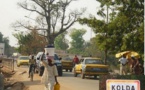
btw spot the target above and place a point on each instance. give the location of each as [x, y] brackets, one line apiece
[117, 84]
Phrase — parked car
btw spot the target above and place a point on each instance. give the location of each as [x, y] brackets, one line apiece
[40, 68]
[22, 60]
[67, 63]
[91, 67]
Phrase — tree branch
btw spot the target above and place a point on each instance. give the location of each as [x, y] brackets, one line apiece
[24, 6]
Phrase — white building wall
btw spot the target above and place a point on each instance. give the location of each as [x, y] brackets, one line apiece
[2, 47]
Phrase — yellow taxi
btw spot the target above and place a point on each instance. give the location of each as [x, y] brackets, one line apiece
[67, 63]
[90, 66]
[22, 60]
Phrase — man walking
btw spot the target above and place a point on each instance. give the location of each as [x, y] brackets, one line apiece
[75, 60]
[49, 77]
[123, 61]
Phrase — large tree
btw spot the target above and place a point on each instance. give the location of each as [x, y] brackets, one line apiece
[61, 43]
[52, 17]
[77, 43]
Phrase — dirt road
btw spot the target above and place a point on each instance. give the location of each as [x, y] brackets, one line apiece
[22, 76]
[67, 81]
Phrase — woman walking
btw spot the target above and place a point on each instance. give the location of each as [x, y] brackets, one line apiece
[50, 74]
[135, 66]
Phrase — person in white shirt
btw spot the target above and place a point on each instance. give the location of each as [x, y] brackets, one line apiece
[123, 61]
[50, 74]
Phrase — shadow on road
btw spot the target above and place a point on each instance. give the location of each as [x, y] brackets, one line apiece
[70, 74]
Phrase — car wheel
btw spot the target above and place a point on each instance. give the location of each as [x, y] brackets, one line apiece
[75, 74]
[82, 75]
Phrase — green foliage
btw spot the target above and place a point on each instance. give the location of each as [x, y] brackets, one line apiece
[23, 39]
[61, 42]
[124, 31]
[5, 40]
[77, 43]
[91, 48]
[30, 42]
[1, 37]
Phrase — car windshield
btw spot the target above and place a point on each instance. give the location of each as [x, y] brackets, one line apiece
[24, 58]
[93, 61]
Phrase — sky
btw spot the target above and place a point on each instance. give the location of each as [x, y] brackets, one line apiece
[10, 13]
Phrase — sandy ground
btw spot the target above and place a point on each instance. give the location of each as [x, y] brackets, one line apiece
[20, 81]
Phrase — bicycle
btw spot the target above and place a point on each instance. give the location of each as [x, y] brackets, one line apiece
[32, 73]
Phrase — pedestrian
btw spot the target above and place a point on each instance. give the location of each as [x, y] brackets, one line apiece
[135, 66]
[75, 60]
[32, 63]
[123, 63]
[47, 56]
[50, 74]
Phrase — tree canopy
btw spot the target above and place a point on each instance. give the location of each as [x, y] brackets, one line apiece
[61, 43]
[52, 16]
[7, 47]
[77, 44]
[123, 30]
[30, 42]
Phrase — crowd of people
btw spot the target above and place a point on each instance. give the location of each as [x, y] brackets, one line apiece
[135, 67]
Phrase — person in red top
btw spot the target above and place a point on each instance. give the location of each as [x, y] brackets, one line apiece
[75, 60]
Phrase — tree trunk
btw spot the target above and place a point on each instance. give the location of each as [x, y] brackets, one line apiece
[51, 41]
[105, 58]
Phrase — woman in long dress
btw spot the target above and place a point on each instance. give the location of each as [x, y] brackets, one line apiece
[50, 74]
[135, 66]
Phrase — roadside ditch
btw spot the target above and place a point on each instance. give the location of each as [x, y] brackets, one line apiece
[9, 82]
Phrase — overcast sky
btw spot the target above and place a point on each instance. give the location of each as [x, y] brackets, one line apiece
[10, 12]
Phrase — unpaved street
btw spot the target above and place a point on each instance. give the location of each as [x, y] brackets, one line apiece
[67, 81]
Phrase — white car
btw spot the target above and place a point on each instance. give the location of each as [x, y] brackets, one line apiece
[40, 67]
